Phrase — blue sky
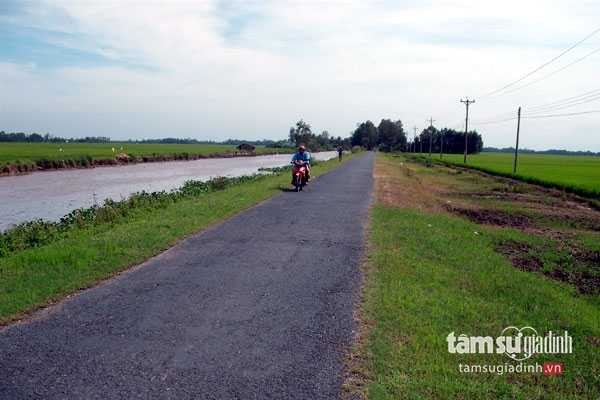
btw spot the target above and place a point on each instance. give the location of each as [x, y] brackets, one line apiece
[249, 69]
[23, 44]
[48, 37]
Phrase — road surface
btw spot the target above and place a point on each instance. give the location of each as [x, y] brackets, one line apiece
[258, 307]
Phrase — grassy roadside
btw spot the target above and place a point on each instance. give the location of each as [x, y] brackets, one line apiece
[37, 276]
[431, 273]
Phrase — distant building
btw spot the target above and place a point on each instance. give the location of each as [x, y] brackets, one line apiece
[246, 147]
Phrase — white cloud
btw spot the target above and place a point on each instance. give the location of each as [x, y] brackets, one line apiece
[249, 69]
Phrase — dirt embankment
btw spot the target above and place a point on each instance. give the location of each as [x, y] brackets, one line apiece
[120, 159]
[557, 218]
[404, 187]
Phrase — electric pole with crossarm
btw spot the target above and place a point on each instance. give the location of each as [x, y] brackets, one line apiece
[467, 103]
[415, 139]
[441, 143]
[431, 121]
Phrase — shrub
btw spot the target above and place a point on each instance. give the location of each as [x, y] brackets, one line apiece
[39, 232]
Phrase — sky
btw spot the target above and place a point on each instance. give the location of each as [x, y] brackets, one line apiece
[214, 70]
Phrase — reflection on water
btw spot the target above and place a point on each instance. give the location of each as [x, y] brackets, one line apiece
[52, 194]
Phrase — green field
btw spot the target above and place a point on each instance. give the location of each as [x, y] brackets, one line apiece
[11, 153]
[579, 172]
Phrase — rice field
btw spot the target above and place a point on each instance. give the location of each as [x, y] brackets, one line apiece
[11, 153]
[581, 173]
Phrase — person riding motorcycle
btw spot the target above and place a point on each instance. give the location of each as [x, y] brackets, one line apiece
[302, 157]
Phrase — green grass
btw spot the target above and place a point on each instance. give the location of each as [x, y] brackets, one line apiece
[11, 153]
[431, 275]
[36, 276]
[581, 173]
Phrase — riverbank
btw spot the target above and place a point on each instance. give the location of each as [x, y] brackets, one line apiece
[25, 158]
[50, 195]
[106, 242]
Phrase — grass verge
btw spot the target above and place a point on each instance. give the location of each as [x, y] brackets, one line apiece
[431, 273]
[40, 275]
[431, 276]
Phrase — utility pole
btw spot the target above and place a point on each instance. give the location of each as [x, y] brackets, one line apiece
[415, 139]
[467, 103]
[441, 143]
[517, 145]
[431, 121]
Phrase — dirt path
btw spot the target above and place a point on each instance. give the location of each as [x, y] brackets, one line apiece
[257, 307]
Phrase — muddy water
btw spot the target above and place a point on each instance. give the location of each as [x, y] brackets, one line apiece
[52, 194]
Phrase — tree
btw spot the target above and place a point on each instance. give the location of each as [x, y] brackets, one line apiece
[323, 139]
[454, 141]
[35, 137]
[301, 133]
[391, 135]
[430, 134]
[365, 135]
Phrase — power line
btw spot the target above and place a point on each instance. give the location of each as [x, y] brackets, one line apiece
[556, 105]
[553, 73]
[538, 116]
[568, 100]
[561, 115]
[567, 105]
[495, 117]
[494, 121]
[591, 92]
[527, 75]
[506, 116]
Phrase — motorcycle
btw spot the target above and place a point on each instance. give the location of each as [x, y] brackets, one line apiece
[299, 175]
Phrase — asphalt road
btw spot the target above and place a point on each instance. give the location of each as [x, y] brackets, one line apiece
[257, 307]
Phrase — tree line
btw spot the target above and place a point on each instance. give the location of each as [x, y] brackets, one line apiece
[557, 152]
[450, 141]
[302, 133]
[47, 138]
[389, 135]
